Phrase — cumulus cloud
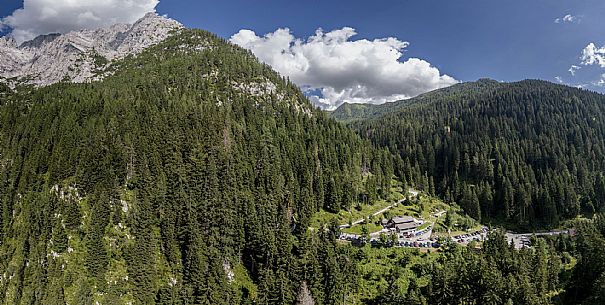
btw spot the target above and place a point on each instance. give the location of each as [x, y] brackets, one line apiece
[573, 69]
[334, 69]
[591, 55]
[59, 16]
[568, 19]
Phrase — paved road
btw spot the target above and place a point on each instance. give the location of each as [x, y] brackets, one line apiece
[426, 235]
[521, 240]
[414, 194]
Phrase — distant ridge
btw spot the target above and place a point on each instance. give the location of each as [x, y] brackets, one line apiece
[354, 112]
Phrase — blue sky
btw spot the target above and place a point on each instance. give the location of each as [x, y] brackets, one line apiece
[465, 39]
[468, 39]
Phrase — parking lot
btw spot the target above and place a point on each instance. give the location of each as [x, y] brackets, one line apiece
[422, 239]
[425, 238]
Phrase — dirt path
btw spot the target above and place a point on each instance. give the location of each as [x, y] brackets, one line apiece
[413, 194]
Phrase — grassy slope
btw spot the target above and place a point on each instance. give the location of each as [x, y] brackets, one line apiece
[424, 207]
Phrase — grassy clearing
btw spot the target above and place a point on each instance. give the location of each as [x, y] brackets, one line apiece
[423, 207]
[344, 217]
[359, 211]
[427, 207]
[358, 229]
[243, 281]
[424, 226]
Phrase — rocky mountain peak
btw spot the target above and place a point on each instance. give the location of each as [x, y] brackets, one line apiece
[7, 42]
[79, 56]
[39, 41]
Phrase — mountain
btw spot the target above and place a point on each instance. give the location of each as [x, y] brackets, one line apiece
[347, 113]
[187, 172]
[79, 56]
[187, 175]
[529, 153]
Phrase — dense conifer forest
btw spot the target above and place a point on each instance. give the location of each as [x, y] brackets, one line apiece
[527, 154]
[556, 270]
[192, 173]
[191, 168]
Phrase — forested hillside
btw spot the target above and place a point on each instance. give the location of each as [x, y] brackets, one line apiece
[192, 173]
[187, 177]
[530, 153]
[348, 113]
[555, 270]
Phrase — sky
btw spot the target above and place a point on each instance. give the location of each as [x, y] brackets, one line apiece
[370, 51]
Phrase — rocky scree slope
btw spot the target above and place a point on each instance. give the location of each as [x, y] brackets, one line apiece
[79, 56]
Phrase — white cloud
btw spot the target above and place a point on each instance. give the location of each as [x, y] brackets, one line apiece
[344, 70]
[601, 81]
[559, 79]
[568, 19]
[591, 55]
[573, 69]
[59, 16]
[591, 60]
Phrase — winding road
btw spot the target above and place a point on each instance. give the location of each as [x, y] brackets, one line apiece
[413, 194]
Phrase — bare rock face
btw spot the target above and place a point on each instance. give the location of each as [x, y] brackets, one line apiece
[304, 296]
[80, 56]
[11, 57]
